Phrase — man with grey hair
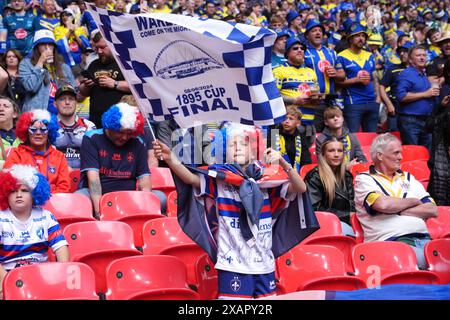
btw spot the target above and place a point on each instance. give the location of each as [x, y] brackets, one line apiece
[391, 204]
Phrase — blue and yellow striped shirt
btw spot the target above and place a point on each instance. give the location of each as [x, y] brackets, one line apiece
[290, 80]
[318, 60]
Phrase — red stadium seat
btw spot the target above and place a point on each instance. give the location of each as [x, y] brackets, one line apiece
[330, 233]
[314, 267]
[70, 208]
[312, 150]
[437, 254]
[206, 278]
[444, 214]
[148, 278]
[365, 138]
[132, 207]
[74, 180]
[440, 227]
[306, 168]
[172, 204]
[160, 234]
[389, 262]
[413, 152]
[50, 281]
[418, 168]
[357, 228]
[164, 236]
[97, 243]
[397, 134]
[162, 180]
[359, 168]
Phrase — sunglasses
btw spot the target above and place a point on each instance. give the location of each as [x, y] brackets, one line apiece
[296, 48]
[34, 130]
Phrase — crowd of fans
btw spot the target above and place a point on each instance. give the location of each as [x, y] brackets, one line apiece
[341, 67]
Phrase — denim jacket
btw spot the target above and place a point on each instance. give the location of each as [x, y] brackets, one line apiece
[37, 93]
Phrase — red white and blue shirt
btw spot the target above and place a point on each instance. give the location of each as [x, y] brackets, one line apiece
[235, 254]
[27, 242]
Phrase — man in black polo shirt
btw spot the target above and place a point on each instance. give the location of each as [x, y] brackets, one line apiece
[103, 81]
[114, 158]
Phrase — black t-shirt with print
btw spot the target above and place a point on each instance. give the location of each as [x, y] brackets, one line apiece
[119, 167]
[103, 98]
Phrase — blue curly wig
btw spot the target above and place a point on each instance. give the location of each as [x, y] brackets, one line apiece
[41, 194]
[53, 128]
[111, 119]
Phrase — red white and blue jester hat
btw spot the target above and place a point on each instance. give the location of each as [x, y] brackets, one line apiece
[12, 178]
[122, 116]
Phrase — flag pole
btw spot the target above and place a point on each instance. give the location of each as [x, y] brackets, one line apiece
[148, 123]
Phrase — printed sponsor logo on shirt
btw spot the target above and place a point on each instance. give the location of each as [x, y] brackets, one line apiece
[73, 46]
[39, 219]
[7, 234]
[234, 223]
[20, 33]
[230, 188]
[72, 153]
[265, 226]
[323, 64]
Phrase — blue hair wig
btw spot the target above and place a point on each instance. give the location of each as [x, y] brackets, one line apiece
[111, 119]
[41, 194]
[53, 128]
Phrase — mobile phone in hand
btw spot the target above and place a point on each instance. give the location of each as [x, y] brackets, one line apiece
[86, 74]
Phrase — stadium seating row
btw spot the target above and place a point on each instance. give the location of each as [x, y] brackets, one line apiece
[154, 277]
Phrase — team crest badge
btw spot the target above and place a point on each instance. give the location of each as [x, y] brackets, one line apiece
[52, 169]
[235, 284]
[40, 233]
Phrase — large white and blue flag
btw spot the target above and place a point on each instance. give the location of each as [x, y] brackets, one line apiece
[195, 70]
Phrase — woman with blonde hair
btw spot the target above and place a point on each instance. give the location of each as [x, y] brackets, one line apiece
[330, 185]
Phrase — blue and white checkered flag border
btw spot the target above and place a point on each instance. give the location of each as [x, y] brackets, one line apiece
[258, 98]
